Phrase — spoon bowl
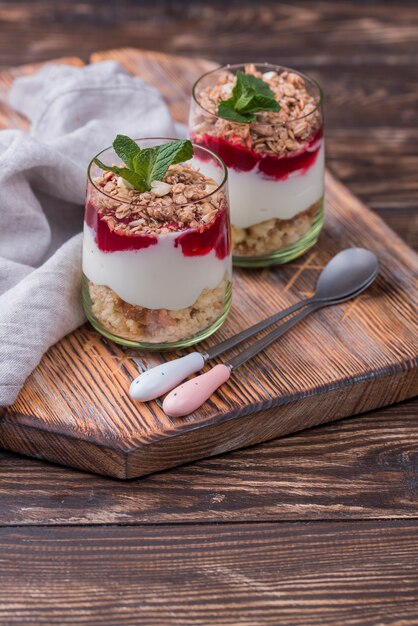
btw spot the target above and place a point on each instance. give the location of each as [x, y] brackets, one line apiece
[347, 272]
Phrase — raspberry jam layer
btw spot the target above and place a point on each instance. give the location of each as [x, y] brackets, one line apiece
[216, 237]
[109, 241]
[192, 242]
[243, 159]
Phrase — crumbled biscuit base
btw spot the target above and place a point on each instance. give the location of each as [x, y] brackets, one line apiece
[184, 201]
[276, 133]
[156, 325]
[273, 234]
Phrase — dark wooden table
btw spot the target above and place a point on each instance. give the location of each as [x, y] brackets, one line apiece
[317, 528]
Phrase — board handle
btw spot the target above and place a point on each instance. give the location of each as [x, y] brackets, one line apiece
[192, 394]
[158, 380]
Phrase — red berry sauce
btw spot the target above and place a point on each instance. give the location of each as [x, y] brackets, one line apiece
[243, 159]
[199, 242]
[194, 242]
[109, 241]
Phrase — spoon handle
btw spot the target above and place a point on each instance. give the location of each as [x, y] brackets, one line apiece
[219, 348]
[161, 378]
[263, 342]
[192, 394]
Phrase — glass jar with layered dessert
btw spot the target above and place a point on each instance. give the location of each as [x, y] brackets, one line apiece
[156, 263]
[266, 124]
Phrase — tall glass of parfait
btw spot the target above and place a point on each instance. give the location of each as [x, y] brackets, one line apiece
[275, 162]
[157, 264]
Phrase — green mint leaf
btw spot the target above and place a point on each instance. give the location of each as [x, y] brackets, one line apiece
[152, 163]
[132, 177]
[143, 164]
[147, 164]
[245, 104]
[252, 82]
[249, 95]
[126, 149]
[168, 154]
[263, 103]
[242, 95]
[226, 110]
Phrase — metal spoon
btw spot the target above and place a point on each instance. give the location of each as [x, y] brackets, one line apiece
[345, 273]
[193, 393]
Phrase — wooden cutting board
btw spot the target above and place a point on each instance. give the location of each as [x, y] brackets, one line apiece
[75, 409]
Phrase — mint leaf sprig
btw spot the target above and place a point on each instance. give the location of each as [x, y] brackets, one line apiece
[249, 96]
[144, 165]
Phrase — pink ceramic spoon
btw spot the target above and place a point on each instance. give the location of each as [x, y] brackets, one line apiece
[193, 393]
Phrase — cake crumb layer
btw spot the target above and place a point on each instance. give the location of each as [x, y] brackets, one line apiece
[156, 325]
[274, 234]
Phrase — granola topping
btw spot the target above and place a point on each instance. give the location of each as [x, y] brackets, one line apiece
[184, 199]
[276, 133]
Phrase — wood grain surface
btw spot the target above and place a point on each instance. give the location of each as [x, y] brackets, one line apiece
[349, 359]
[360, 467]
[293, 574]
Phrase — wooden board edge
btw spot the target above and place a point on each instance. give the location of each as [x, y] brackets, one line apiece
[63, 449]
[32, 422]
[375, 376]
[119, 446]
[273, 423]
[212, 440]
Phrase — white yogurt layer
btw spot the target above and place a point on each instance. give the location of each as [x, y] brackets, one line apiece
[157, 277]
[255, 198]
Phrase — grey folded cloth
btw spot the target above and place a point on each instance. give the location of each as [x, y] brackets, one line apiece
[74, 113]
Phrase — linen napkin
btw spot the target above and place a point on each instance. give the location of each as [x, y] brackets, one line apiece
[74, 113]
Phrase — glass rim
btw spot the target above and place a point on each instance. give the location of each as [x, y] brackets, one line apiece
[164, 139]
[273, 67]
